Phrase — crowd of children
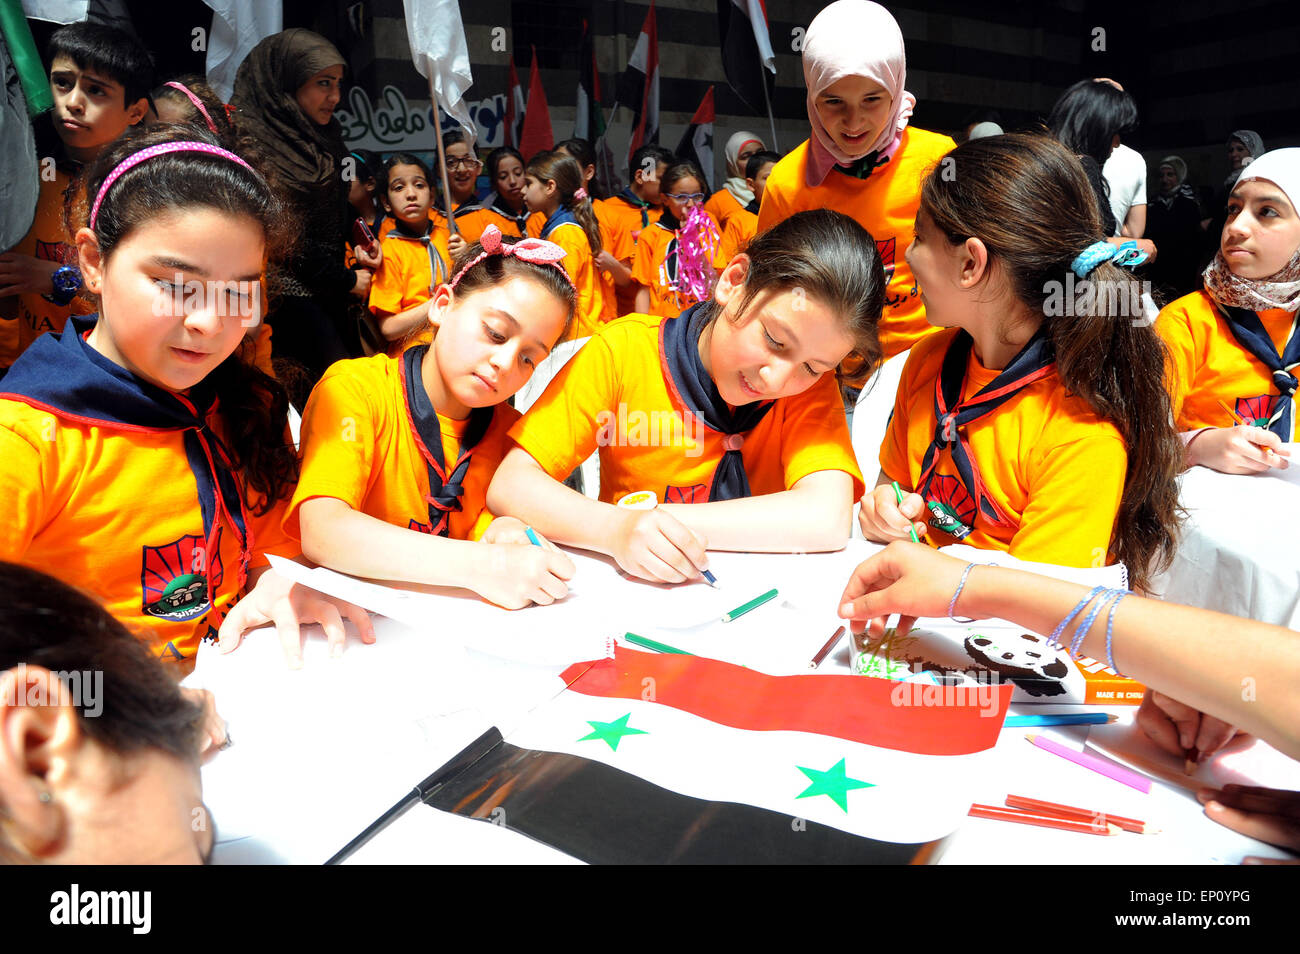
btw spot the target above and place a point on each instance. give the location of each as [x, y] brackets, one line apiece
[145, 454]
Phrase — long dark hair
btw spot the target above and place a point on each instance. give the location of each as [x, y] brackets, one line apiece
[253, 405]
[562, 169]
[834, 261]
[1026, 198]
[1089, 115]
[585, 155]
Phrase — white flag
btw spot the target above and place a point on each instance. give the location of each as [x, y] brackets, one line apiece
[237, 27]
[439, 52]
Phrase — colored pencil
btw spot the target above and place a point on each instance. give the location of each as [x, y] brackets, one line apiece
[1092, 763]
[1190, 758]
[532, 537]
[1061, 718]
[658, 647]
[898, 495]
[826, 650]
[1042, 821]
[710, 578]
[1244, 423]
[1040, 807]
[744, 608]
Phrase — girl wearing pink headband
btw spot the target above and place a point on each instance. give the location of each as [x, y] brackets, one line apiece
[399, 491]
[862, 158]
[161, 420]
[190, 100]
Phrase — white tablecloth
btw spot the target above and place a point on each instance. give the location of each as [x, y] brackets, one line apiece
[1238, 553]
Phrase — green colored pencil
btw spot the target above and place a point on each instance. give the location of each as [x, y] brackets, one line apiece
[898, 494]
[644, 643]
[744, 608]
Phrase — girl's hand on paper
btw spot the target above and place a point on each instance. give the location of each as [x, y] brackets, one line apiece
[1266, 814]
[1178, 728]
[1238, 450]
[907, 578]
[653, 545]
[288, 605]
[882, 518]
[515, 576]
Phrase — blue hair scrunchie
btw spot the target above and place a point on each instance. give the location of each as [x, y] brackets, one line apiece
[1127, 255]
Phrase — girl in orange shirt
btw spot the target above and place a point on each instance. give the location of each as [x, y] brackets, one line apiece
[553, 188]
[505, 169]
[1039, 423]
[673, 261]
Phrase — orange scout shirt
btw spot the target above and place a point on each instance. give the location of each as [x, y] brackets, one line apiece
[25, 317]
[1208, 365]
[885, 204]
[740, 228]
[722, 205]
[1047, 459]
[358, 446]
[411, 269]
[650, 267]
[589, 280]
[117, 514]
[612, 395]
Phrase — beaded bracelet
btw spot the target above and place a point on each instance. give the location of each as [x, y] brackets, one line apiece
[1054, 639]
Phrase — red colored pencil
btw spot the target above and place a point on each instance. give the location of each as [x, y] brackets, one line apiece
[1042, 821]
[1040, 807]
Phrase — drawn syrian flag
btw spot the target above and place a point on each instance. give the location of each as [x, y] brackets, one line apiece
[747, 55]
[588, 122]
[697, 141]
[638, 88]
[516, 108]
[649, 758]
[536, 134]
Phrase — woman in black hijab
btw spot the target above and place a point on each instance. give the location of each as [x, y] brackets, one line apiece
[286, 91]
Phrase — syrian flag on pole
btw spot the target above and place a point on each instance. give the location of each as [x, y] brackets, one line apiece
[589, 121]
[649, 758]
[536, 134]
[697, 141]
[439, 52]
[747, 55]
[515, 109]
[638, 88]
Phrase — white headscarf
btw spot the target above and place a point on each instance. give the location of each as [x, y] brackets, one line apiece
[736, 184]
[853, 38]
[1281, 289]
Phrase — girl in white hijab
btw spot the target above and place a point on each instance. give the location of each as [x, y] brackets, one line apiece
[726, 202]
[862, 158]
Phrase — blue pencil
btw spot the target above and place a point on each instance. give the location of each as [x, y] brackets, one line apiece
[1060, 718]
[532, 537]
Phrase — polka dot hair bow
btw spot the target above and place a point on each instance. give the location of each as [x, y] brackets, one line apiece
[531, 250]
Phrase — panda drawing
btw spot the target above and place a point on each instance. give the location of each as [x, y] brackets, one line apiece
[1025, 659]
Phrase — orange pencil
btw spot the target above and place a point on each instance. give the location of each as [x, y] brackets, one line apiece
[1042, 821]
[1041, 807]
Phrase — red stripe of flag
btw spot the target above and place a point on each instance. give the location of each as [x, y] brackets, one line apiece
[857, 708]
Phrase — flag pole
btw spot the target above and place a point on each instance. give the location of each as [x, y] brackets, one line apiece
[442, 157]
[762, 76]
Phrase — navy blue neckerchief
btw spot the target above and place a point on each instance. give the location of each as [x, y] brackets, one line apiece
[437, 270]
[668, 222]
[753, 205]
[861, 168]
[1036, 360]
[559, 217]
[520, 218]
[1251, 335]
[696, 391]
[444, 491]
[64, 375]
[634, 200]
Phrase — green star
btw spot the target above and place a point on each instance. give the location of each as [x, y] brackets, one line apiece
[611, 732]
[833, 783]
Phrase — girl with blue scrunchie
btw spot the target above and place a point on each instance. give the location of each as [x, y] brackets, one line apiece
[1038, 423]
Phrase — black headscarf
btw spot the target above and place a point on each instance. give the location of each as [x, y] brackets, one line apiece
[304, 156]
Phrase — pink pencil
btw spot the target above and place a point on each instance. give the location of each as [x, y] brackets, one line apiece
[1131, 779]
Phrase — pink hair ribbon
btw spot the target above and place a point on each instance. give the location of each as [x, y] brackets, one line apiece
[133, 160]
[532, 250]
[198, 103]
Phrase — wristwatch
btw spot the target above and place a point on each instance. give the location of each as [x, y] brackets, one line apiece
[67, 282]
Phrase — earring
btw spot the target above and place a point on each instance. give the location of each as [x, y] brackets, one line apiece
[45, 797]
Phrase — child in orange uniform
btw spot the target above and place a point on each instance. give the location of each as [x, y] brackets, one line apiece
[673, 262]
[862, 159]
[1235, 341]
[1030, 426]
[553, 188]
[139, 455]
[505, 169]
[742, 224]
[730, 412]
[398, 451]
[415, 255]
[629, 213]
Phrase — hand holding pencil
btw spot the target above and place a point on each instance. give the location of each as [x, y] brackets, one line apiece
[1242, 448]
[1181, 730]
